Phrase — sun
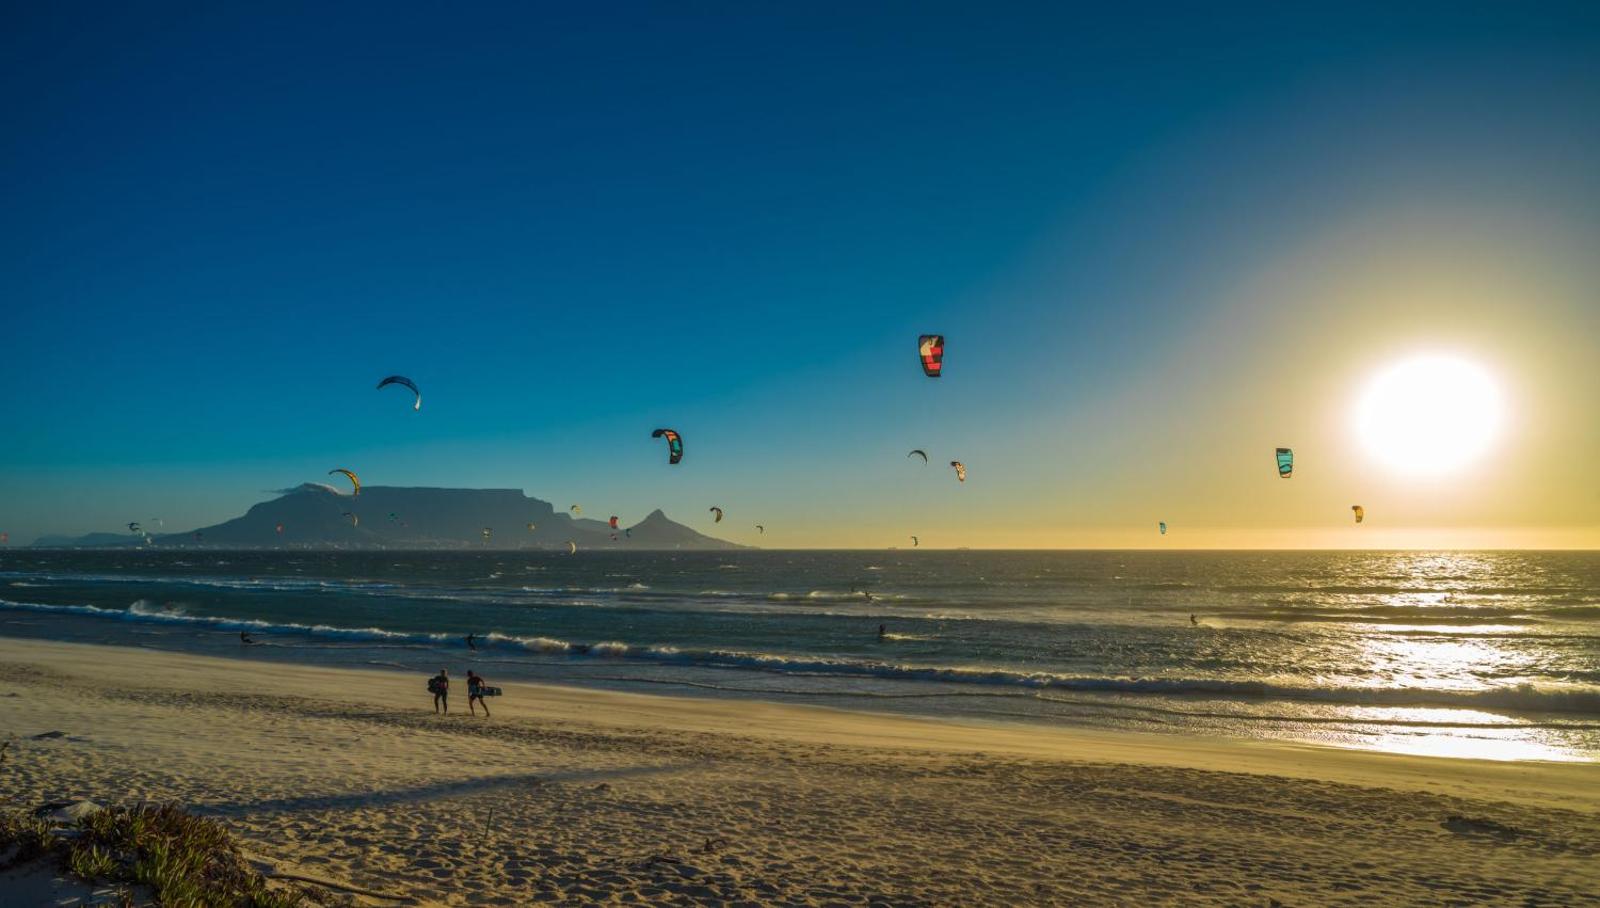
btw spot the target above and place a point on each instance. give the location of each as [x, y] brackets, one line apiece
[1429, 415]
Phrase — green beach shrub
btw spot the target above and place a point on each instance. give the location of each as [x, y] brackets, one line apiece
[182, 860]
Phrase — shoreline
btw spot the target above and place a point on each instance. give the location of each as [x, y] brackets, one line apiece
[1525, 781]
[347, 773]
[1524, 721]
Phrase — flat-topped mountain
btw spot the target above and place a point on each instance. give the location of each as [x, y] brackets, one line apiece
[317, 516]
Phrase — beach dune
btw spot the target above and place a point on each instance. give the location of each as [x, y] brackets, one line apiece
[582, 796]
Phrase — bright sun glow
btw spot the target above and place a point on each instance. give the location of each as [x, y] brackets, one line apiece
[1429, 415]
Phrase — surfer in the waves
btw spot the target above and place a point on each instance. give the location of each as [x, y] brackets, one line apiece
[472, 642]
[244, 637]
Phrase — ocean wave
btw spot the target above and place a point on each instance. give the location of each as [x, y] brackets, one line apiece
[144, 611]
[1299, 719]
[278, 584]
[1494, 632]
[1520, 698]
[486, 595]
[1385, 589]
[1442, 614]
[837, 596]
[1576, 611]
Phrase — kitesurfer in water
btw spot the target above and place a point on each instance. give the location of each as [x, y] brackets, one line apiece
[883, 631]
[244, 637]
[439, 686]
[475, 686]
[1192, 620]
[472, 642]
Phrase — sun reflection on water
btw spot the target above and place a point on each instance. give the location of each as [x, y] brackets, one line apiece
[1452, 649]
[1506, 743]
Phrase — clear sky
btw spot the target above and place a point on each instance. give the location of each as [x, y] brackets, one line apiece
[1160, 243]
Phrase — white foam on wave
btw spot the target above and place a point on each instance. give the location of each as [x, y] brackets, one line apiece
[143, 611]
[1519, 698]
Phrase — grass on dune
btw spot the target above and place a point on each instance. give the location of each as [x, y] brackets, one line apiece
[180, 860]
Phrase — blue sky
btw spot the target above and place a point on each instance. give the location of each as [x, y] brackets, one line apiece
[570, 225]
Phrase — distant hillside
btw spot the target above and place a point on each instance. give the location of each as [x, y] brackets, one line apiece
[316, 516]
[93, 539]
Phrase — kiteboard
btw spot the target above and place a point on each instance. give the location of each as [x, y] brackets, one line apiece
[488, 691]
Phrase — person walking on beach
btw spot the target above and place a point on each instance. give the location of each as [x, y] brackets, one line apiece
[475, 686]
[439, 685]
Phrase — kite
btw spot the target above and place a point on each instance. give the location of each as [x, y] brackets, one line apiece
[576, 509]
[404, 382]
[531, 527]
[961, 470]
[931, 348]
[628, 532]
[134, 528]
[572, 547]
[920, 453]
[1163, 526]
[717, 511]
[487, 532]
[915, 542]
[1359, 511]
[354, 482]
[1285, 463]
[355, 520]
[674, 443]
[761, 529]
[613, 521]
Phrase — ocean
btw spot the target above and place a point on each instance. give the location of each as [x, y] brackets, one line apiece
[1473, 654]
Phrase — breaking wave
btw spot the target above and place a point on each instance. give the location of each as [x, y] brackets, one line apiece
[1521, 698]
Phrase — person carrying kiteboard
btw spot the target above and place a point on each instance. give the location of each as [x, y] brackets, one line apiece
[439, 686]
[476, 689]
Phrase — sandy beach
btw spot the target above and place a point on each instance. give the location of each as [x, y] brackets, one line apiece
[585, 797]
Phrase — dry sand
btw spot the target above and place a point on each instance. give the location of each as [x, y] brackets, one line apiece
[587, 797]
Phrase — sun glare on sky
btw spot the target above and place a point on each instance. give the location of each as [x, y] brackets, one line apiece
[1429, 415]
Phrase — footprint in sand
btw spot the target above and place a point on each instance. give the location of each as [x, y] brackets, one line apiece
[1469, 826]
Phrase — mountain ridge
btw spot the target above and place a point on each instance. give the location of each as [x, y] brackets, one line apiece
[314, 515]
